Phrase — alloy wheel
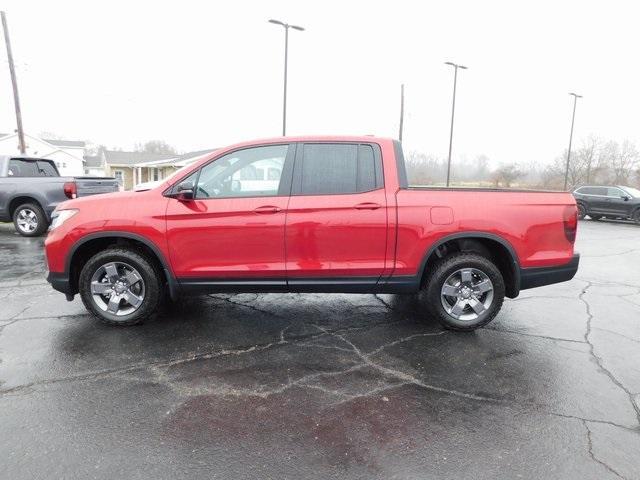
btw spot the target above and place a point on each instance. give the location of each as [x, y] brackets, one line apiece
[117, 288]
[27, 220]
[466, 294]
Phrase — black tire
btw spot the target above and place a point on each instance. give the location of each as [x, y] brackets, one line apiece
[448, 266]
[595, 217]
[144, 266]
[636, 216]
[582, 211]
[30, 220]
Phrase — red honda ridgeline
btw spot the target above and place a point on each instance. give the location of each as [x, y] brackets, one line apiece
[310, 214]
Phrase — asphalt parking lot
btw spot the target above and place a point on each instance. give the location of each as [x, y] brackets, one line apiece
[325, 386]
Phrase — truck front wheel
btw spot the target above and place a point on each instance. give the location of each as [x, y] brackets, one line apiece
[120, 286]
[464, 291]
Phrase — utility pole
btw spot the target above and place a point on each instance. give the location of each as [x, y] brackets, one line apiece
[286, 61]
[453, 112]
[14, 82]
[573, 118]
[401, 111]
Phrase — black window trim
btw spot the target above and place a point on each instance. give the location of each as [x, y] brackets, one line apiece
[284, 189]
[296, 184]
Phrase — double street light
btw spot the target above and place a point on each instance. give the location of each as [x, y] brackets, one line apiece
[286, 57]
[453, 112]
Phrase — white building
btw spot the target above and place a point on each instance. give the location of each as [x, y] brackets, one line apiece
[67, 154]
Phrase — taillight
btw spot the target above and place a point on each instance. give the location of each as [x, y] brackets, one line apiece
[571, 222]
[70, 189]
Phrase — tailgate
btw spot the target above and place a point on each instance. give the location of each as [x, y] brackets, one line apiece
[93, 186]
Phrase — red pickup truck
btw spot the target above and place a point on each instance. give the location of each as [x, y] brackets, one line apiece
[310, 214]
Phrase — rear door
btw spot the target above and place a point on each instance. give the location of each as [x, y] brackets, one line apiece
[336, 226]
[598, 201]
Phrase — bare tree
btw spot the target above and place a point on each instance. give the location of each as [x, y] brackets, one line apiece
[424, 169]
[590, 151]
[622, 160]
[155, 146]
[506, 174]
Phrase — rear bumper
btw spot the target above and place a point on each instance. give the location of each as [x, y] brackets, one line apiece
[539, 276]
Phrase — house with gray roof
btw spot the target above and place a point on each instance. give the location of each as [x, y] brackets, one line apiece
[134, 168]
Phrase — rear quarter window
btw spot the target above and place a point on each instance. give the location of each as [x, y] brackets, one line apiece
[46, 169]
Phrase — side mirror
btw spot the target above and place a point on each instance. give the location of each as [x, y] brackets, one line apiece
[185, 191]
[625, 197]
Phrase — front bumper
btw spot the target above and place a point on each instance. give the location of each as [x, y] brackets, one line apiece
[61, 283]
[539, 276]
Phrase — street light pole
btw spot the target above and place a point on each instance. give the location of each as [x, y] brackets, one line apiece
[453, 112]
[401, 112]
[573, 118]
[14, 83]
[286, 62]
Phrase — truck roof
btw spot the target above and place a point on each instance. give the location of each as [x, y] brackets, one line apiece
[21, 157]
[312, 138]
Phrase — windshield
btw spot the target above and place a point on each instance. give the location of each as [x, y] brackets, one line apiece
[634, 192]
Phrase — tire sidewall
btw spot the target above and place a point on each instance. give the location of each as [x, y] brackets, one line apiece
[444, 269]
[145, 268]
[40, 216]
[582, 211]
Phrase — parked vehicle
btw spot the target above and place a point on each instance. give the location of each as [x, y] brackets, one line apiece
[608, 202]
[31, 188]
[332, 214]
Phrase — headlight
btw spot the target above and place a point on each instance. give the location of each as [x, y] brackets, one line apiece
[60, 216]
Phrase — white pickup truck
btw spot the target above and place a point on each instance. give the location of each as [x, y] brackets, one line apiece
[31, 188]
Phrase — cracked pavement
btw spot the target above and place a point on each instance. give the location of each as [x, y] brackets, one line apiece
[326, 386]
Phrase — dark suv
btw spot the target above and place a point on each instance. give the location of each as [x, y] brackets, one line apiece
[608, 202]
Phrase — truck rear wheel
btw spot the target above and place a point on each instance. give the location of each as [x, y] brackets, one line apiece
[30, 220]
[120, 286]
[464, 291]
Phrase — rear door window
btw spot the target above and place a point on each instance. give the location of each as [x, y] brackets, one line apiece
[22, 168]
[337, 168]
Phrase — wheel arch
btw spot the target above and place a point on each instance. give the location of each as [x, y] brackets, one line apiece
[18, 200]
[496, 248]
[87, 246]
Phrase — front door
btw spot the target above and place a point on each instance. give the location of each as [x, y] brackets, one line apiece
[618, 202]
[336, 230]
[233, 230]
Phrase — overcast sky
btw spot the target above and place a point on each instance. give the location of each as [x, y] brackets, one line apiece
[206, 74]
